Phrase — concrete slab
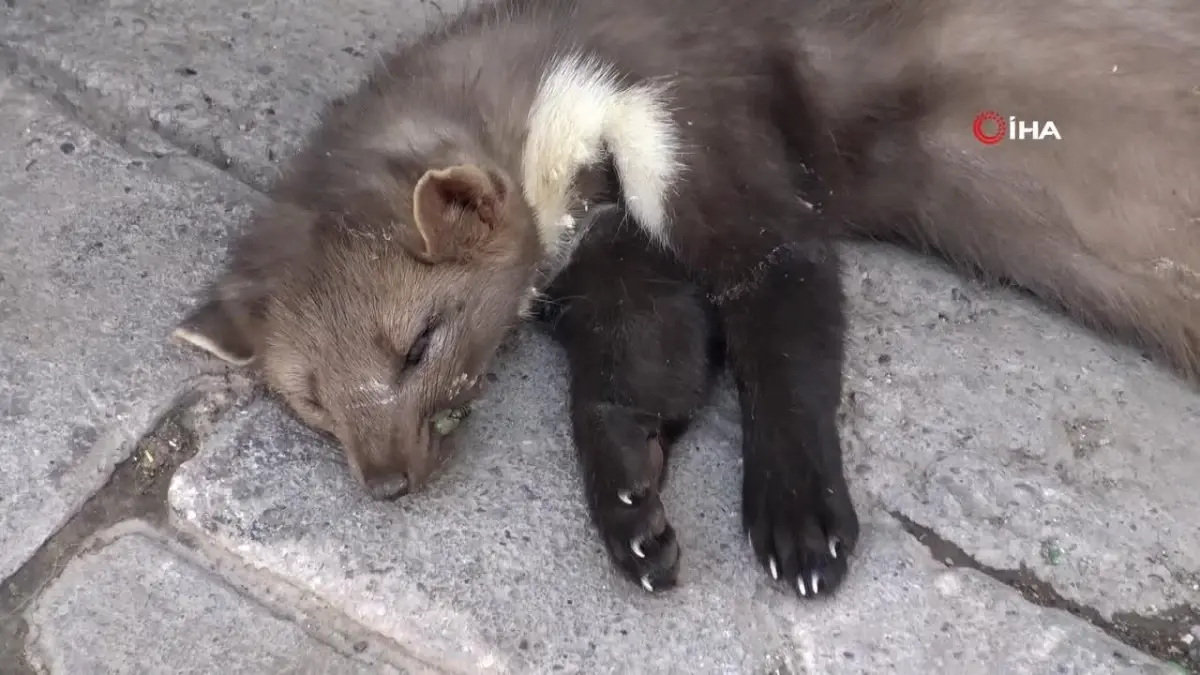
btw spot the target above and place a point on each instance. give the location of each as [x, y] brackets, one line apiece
[496, 568]
[98, 253]
[133, 607]
[1024, 439]
[236, 84]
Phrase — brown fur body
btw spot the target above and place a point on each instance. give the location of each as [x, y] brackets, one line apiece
[401, 249]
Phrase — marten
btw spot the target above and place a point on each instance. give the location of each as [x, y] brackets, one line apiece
[433, 205]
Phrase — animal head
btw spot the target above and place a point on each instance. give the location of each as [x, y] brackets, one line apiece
[375, 303]
[407, 235]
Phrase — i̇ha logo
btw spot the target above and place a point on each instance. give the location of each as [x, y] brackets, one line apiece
[990, 128]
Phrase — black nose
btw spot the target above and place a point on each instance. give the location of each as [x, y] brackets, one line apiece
[388, 487]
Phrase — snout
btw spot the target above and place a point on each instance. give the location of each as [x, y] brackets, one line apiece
[397, 464]
[387, 488]
[387, 480]
[392, 471]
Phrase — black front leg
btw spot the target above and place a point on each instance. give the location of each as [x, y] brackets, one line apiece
[774, 276]
[785, 327]
[640, 339]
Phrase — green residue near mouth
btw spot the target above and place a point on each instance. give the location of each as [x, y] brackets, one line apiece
[446, 421]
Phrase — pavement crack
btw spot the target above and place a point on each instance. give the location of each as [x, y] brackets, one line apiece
[87, 107]
[137, 489]
[1159, 635]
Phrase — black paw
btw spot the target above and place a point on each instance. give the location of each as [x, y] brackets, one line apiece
[802, 532]
[633, 524]
[639, 538]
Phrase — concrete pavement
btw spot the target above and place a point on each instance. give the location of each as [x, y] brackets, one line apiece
[1030, 492]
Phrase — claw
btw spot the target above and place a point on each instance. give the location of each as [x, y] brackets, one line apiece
[636, 547]
[816, 583]
[625, 496]
[647, 585]
[833, 547]
[774, 569]
[800, 587]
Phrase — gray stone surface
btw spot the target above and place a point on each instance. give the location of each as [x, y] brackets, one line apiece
[496, 567]
[1023, 438]
[98, 253]
[237, 83]
[133, 607]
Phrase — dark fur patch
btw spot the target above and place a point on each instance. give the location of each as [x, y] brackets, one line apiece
[643, 344]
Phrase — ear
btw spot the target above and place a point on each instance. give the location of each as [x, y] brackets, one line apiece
[456, 211]
[229, 324]
[225, 326]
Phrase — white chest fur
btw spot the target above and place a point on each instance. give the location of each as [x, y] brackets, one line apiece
[579, 111]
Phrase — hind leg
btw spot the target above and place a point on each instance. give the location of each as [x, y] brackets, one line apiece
[642, 352]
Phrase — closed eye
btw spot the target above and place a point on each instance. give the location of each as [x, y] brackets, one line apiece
[405, 360]
[416, 351]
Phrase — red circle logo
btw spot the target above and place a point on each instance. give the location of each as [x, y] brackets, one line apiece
[980, 128]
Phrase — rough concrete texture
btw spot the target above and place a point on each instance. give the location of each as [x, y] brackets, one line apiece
[98, 252]
[238, 84]
[1024, 439]
[496, 567]
[134, 607]
[975, 418]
